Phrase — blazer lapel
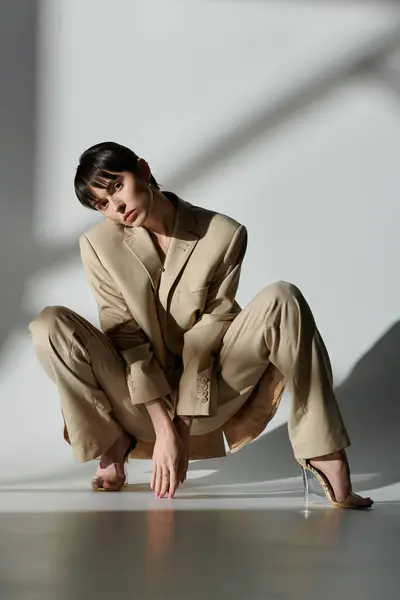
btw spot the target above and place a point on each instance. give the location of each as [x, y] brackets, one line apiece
[182, 244]
[146, 271]
[140, 244]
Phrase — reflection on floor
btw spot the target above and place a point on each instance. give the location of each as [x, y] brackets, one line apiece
[239, 541]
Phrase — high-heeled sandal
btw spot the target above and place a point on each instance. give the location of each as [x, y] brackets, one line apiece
[131, 447]
[318, 489]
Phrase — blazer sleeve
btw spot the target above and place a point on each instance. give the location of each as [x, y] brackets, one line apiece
[145, 377]
[197, 388]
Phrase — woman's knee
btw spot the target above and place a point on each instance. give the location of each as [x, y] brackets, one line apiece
[283, 291]
[42, 326]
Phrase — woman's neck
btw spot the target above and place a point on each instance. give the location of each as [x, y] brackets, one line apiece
[161, 219]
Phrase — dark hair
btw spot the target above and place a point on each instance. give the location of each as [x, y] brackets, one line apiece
[95, 165]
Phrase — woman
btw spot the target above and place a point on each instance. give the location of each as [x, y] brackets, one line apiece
[178, 362]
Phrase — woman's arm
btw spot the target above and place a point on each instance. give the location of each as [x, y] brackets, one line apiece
[146, 378]
[160, 418]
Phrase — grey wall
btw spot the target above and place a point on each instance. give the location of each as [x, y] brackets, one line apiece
[285, 115]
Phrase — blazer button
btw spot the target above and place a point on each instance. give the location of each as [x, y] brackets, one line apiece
[203, 395]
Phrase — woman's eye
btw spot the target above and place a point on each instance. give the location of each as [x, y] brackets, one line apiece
[118, 186]
[102, 205]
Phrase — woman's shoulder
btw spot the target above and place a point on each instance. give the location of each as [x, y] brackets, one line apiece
[103, 230]
[217, 222]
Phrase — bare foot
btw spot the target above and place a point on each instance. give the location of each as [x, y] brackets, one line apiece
[110, 474]
[336, 469]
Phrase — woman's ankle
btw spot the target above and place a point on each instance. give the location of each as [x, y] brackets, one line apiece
[337, 455]
[116, 452]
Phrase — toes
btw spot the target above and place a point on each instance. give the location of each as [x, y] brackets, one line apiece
[105, 484]
[108, 486]
[114, 485]
[97, 483]
[357, 500]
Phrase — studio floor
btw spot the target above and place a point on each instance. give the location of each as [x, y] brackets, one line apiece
[216, 539]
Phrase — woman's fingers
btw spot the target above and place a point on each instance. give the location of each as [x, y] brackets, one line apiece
[158, 481]
[165, 481]
[173, 481]
[166, 473]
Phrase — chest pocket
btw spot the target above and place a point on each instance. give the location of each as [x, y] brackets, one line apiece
[193, 297]
[190, 305]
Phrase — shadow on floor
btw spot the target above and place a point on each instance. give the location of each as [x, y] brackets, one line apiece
[370, 402]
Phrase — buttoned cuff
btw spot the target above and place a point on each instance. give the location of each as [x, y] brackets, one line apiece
[197, 395]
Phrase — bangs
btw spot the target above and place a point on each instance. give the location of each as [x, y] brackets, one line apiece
[100, 180]
[85, 182]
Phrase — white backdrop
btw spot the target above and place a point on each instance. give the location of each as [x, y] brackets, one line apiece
[283, 114]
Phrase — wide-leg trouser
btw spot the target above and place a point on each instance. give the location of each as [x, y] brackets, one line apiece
[276, 328]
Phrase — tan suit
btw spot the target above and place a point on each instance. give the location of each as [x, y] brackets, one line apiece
[175, 330]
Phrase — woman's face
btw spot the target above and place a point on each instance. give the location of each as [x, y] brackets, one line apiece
[126, 200]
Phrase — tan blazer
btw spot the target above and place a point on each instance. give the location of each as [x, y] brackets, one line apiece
[168, 321]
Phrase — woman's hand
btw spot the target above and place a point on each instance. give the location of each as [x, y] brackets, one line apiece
[167, 450]
[167, 455]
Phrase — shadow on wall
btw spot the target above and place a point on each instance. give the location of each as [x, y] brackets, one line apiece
[370, 402]
[20, 254]
[268, 120]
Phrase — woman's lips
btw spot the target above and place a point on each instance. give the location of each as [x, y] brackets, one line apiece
[130, 216]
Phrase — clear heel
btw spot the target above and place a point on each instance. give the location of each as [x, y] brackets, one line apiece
[314, 494]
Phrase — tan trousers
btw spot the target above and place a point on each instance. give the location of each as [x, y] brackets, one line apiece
[276, 327]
